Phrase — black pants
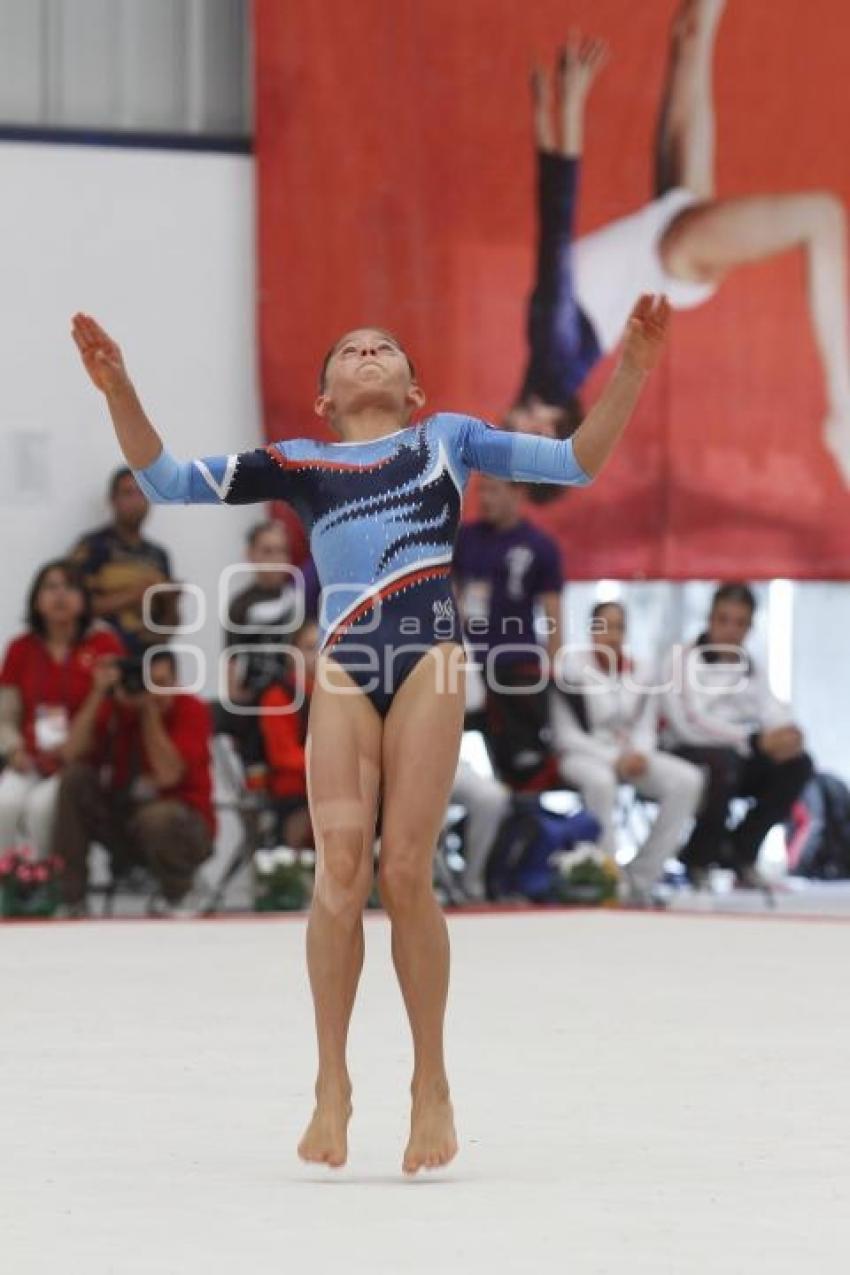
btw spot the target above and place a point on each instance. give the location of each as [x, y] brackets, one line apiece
[517, 725]
[774, 786]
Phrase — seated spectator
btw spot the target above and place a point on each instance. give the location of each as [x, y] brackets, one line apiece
[605, 731]
[284, 736]
[118, 566]
[271, 599]
[46, 677]
[149, 802]
[721, 715]
[506, 569]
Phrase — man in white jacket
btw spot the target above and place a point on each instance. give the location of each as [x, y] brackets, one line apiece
[720, 714]
[604, 727]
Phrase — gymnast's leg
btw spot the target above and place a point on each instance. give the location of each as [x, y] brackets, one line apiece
[706, 241]
[685, 134]
[343, 773]
[420, 750]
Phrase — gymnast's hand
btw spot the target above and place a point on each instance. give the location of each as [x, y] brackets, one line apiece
[101, 356]
[646, 332]
[579, 63]
[137, 438]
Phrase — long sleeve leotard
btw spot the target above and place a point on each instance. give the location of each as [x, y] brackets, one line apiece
[381, 516]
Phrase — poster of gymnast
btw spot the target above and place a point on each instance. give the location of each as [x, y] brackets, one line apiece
[496, 181]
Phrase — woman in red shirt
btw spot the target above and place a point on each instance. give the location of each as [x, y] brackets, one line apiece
[46, 675]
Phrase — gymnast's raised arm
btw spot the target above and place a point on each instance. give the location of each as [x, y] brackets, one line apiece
[529, 458]
[241, 478]
[599, 432]
[103, 361]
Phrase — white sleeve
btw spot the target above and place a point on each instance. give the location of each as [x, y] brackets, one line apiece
[772, 712]
[689, 722]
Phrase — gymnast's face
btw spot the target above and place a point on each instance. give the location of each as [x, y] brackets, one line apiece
[368, 369]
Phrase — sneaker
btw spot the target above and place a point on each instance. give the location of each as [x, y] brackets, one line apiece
[642, 897]
[183, 909]
[136, 880]
[748, 877]
[78, 911]
[699, 878]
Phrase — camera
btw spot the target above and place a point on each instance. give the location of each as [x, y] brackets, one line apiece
[132, 680]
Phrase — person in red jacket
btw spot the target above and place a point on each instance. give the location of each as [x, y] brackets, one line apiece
[283, 724]
[46, 675]
[150, 799]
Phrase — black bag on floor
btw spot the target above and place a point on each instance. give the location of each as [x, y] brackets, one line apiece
[825, 850]
[520, 862]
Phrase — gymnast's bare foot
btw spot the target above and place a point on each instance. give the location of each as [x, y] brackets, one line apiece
[433, 1141]
[326, 1138]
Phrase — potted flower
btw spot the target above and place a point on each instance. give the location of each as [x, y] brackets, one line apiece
[283, 879]
[587, 877]
[29, 886]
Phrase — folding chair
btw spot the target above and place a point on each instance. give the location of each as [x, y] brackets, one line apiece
[255, 813]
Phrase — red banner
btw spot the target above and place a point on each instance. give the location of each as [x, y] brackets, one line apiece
[397, 188]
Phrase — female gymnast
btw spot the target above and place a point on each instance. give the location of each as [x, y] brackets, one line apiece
[681, 243]
[381, 506]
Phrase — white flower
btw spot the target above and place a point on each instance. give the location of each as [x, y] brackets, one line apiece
[581, 852]
[284, 857]
[264, 862]
[308, 858]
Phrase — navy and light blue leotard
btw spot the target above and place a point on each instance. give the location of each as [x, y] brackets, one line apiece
[381, 516]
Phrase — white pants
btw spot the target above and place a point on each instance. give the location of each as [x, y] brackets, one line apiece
[486, 801]
[27, 803]
[674, 784]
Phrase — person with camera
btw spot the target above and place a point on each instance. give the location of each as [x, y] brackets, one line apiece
[147, 797]
[46, 678]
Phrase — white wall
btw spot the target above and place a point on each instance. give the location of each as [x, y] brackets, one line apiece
[821, 671]
[159, 247]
